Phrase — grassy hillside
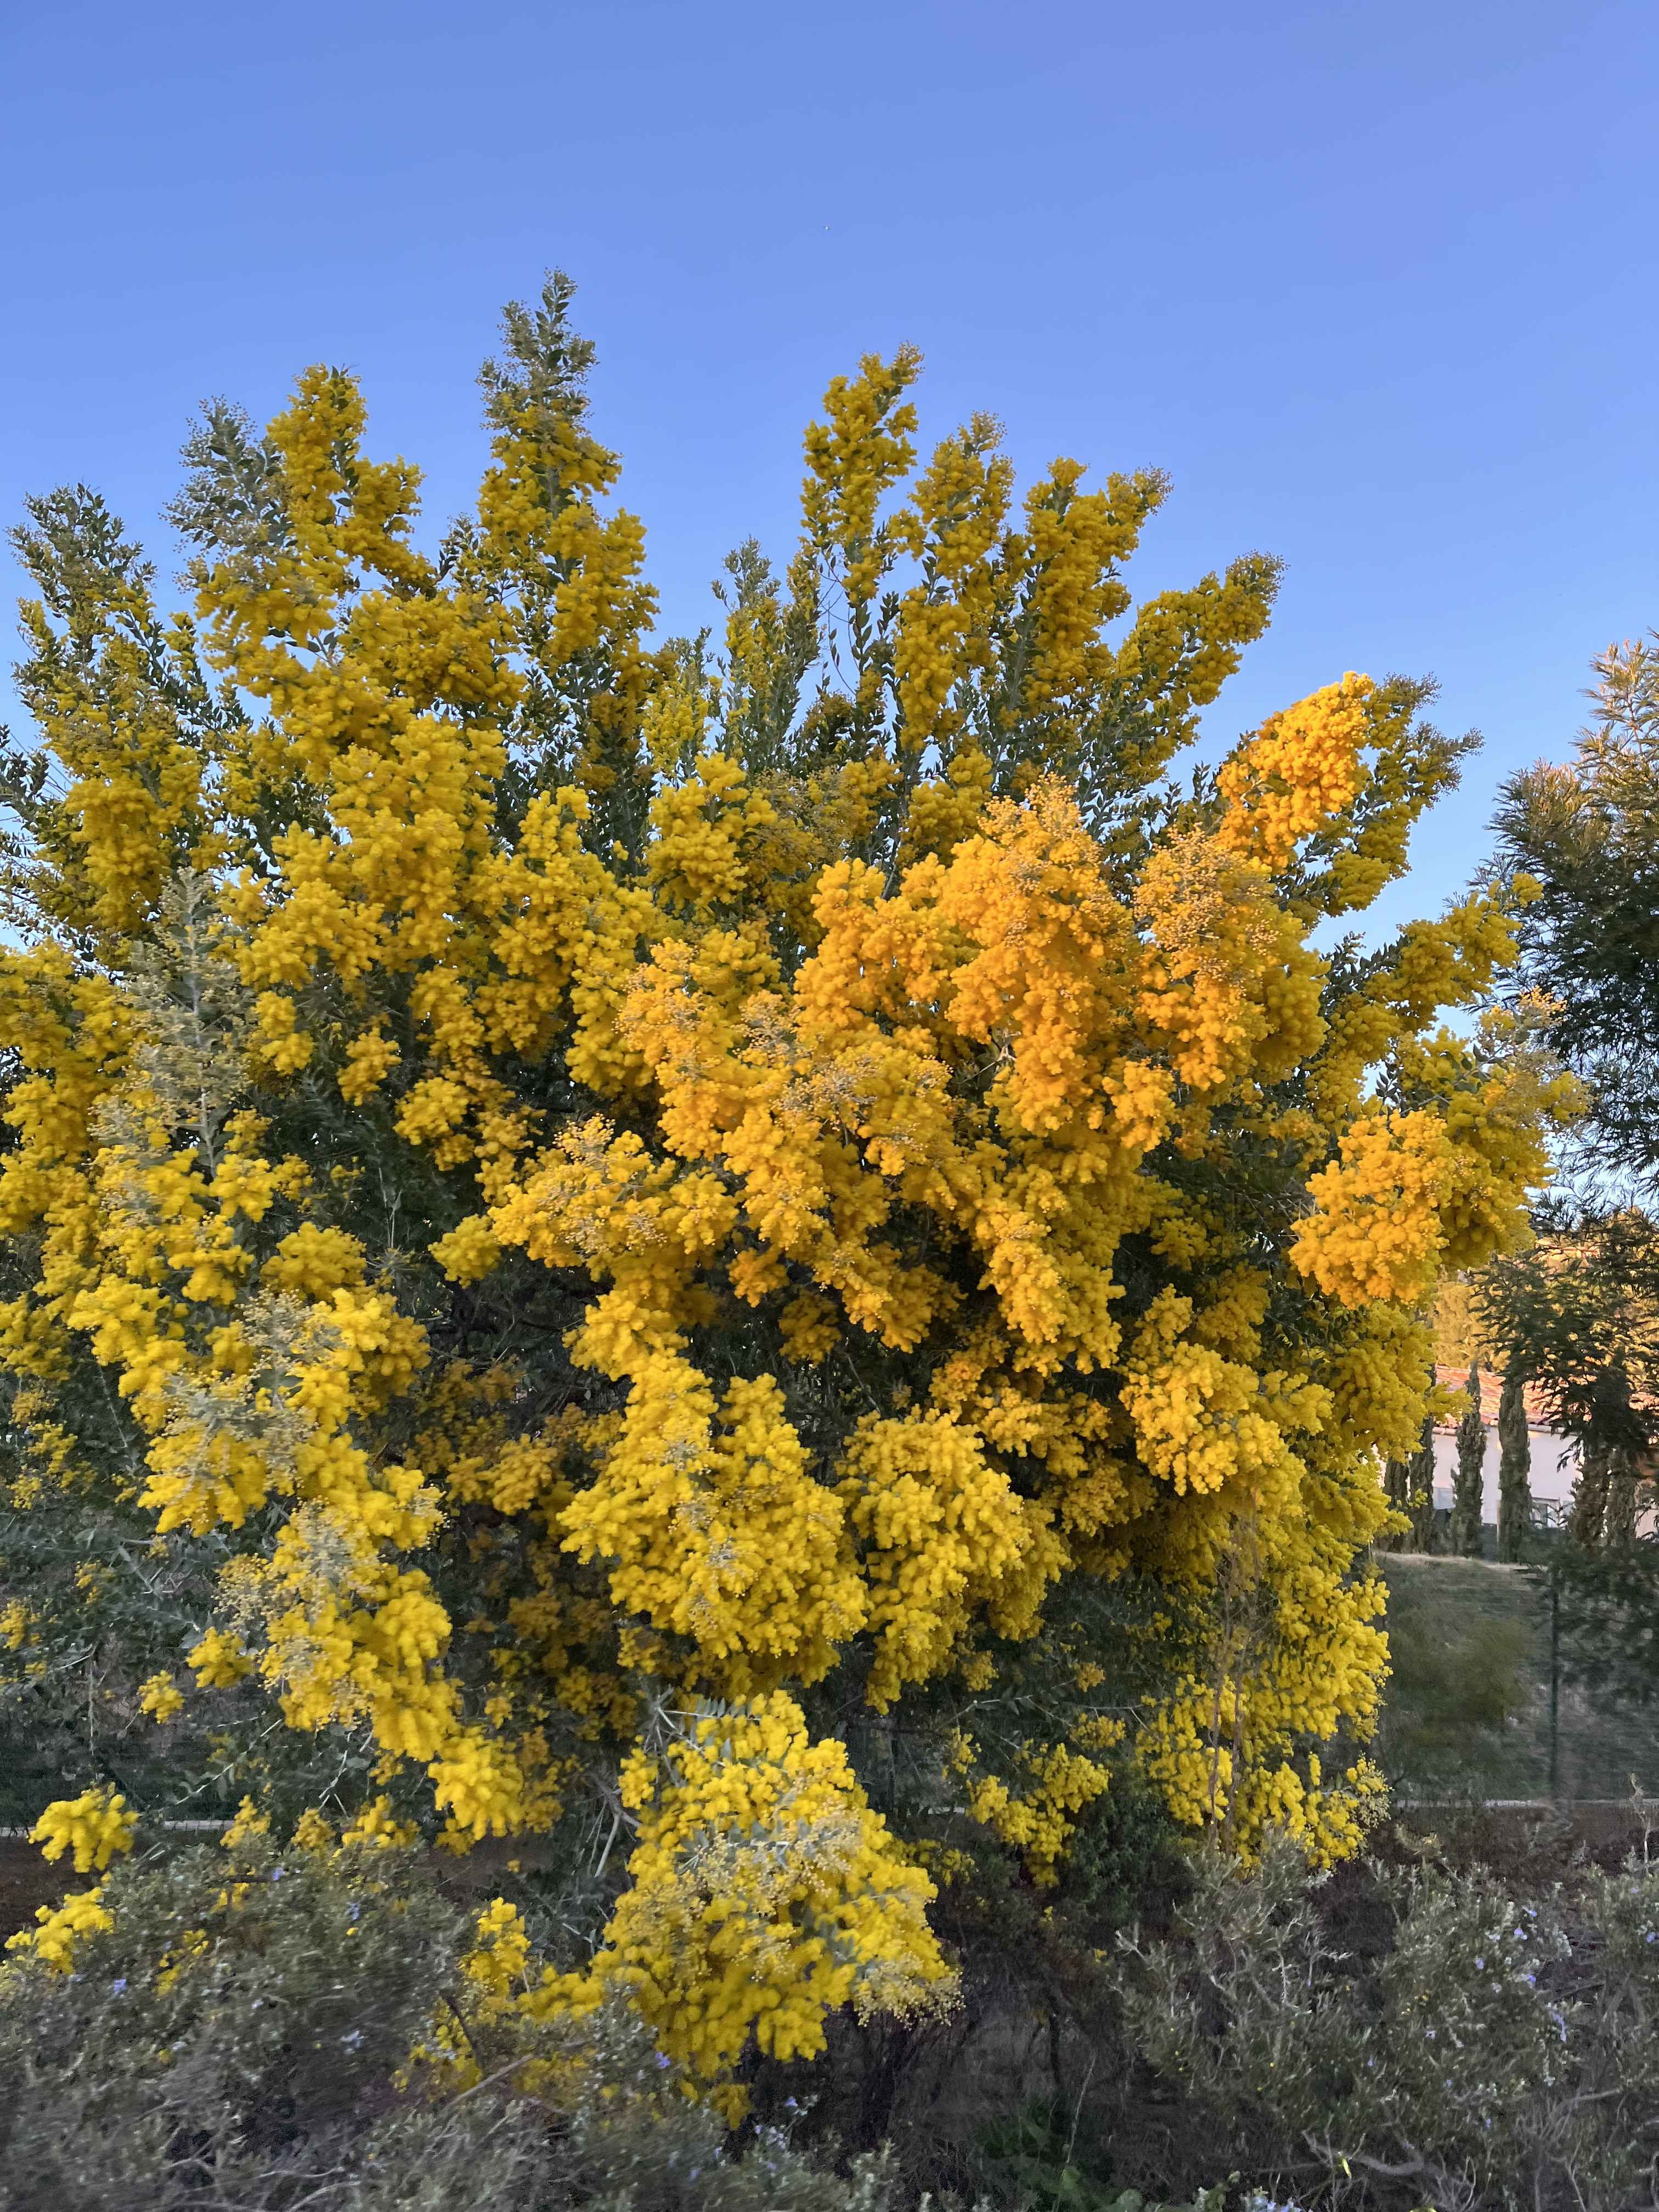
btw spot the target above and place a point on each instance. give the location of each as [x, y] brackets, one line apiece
[1467, 1712]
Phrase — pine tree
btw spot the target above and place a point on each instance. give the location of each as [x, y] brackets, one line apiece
[1588, 979]
[1577, 1314]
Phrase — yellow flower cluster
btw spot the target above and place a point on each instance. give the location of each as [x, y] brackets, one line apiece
[53, 1941]
[93, 1827]
[764, 1894]
[161, 1698]
[1302, 768]
[1036, 1816]
[945, 1542]
[739, 1188]
[722, 1537]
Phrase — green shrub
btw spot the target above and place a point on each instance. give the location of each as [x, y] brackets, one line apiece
[240, 2038]
[1499, 2051]
[1454, 1680]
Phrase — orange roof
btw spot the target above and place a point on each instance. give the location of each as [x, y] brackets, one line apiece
[1491, 1389]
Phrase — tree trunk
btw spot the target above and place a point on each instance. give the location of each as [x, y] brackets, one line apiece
[1396, 1488]
[1586, 1522]
[1514, 1471]
[1464, 1533]
[1618, 1524]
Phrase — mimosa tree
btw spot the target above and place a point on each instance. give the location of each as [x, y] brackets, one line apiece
[726, 1232]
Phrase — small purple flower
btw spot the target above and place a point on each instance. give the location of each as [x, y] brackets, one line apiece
[119, 1985]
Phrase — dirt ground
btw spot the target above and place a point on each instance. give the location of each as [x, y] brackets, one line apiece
[26, 1882]
[1604, 1828]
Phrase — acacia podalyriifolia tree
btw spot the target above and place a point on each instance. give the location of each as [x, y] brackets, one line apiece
[706, 1228]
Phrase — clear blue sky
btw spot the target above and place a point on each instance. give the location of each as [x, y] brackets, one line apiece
[1372, 282]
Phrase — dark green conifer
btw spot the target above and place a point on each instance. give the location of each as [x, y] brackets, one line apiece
[1463, 1535]
[1514, 1470]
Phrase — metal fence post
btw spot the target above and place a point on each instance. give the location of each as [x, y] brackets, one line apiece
[1555, 1671]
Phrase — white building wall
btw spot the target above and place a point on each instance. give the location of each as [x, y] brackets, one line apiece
[1554, 1470]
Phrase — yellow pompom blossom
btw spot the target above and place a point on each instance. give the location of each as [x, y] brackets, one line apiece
[161, 1698]
[1302, 768]
[218, 1660]
[250, 1821]
[763, 1893]
[93, 1827]
[1053, 1784]
[53, 1941]
[550, 1176]
[377, 1829]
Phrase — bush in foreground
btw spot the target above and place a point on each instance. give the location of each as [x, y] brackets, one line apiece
[271, 2028]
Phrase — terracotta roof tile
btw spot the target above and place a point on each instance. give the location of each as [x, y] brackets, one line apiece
[1491, 1389]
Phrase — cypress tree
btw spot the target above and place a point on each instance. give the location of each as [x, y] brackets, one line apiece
[1464, 1534]
[1396, 1488]
[1419, 1479]
[1514, 1469]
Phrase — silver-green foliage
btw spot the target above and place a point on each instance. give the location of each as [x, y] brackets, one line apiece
[236, 2040]
[1497, 2053]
